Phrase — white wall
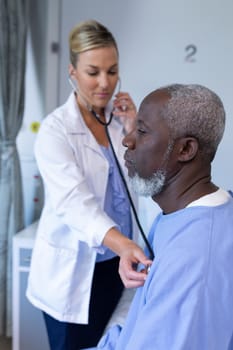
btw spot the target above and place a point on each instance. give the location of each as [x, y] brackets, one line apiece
[33, 114]
[34, 110]
[41, 96]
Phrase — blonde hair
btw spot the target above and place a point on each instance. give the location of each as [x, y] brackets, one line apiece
[89, 35]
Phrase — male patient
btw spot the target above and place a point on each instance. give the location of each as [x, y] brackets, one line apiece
[186, 302]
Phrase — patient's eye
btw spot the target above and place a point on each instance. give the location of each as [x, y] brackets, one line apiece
[141, 131]
[140, 128]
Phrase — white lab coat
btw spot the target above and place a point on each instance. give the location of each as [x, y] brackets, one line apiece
[73, 223]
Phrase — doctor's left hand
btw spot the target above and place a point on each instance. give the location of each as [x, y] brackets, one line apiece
[125, 109]
[131, 255]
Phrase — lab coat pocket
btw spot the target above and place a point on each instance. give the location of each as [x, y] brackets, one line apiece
[54, 284]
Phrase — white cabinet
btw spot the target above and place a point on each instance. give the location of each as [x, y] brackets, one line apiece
[29, 330]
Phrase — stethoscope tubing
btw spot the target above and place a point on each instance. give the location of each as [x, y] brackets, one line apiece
[106, 124]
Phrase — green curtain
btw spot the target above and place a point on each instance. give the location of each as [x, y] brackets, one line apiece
[13, 34]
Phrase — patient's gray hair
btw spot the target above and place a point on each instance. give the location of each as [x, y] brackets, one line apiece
[194, 110]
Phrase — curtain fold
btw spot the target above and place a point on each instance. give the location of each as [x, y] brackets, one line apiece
[13, 35]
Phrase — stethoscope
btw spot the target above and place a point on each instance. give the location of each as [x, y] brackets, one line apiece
[106, 124]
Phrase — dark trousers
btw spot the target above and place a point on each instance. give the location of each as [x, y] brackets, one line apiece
[105, 294]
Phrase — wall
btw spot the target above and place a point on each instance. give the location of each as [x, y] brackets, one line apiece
[34, 109]
[163, 42]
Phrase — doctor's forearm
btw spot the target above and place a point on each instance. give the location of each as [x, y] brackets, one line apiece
[117, 242]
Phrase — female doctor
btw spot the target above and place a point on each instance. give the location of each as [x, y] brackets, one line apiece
[86, 225]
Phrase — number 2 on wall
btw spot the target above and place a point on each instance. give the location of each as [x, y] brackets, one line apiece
[191, 52]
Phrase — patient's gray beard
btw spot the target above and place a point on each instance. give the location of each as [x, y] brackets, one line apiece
[148, 187]
[154, 185]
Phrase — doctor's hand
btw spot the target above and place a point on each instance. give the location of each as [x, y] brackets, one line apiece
[131, 255]
[125, 109]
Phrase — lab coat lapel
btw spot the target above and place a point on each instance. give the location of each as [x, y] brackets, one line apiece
[76, 125]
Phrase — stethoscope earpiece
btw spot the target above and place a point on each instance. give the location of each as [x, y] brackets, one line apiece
[72, 83]
[119, 88]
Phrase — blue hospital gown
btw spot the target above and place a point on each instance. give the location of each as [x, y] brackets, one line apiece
[187, 300]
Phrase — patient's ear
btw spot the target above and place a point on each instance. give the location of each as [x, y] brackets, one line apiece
[187, 149]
